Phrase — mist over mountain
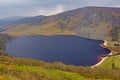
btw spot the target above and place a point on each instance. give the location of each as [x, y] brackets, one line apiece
[91, 22]
[9, 20]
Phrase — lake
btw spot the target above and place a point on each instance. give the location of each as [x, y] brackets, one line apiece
[71, 49]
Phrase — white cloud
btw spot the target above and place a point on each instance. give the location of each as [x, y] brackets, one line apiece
[46, 11]
[49, 11]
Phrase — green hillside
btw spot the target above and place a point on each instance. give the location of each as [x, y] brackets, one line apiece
[114, 59]
[9, 71]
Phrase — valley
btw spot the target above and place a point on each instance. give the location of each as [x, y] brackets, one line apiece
[98, 23]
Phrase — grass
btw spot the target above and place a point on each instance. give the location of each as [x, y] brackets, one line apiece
[51, 73]
[14, 68]
[112, 59]
[109, 61]
[9, 71]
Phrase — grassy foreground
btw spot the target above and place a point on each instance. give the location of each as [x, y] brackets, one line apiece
[9, 71]
[109, 62]
[114, 60]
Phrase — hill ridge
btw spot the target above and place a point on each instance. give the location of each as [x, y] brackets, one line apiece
[91, 22]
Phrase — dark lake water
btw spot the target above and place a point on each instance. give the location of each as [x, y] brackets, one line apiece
[66, 49]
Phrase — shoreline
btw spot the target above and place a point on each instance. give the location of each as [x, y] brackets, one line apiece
[102, 58]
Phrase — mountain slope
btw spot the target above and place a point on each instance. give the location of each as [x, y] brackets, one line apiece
[90, 22]
[9, 20]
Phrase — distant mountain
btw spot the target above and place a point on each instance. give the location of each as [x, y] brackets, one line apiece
[9, 20]
[90, 22]
[14, 21]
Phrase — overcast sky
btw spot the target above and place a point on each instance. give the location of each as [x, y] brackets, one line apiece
[47, 7]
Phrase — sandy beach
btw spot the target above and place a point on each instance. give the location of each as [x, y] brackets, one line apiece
[103, 58]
